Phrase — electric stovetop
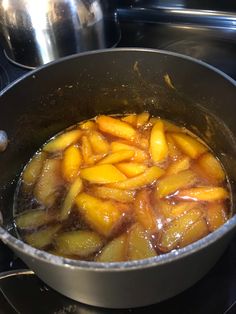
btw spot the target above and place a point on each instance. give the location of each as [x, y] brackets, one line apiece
[206, 35]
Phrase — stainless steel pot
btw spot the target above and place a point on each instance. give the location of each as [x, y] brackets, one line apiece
[115, 81]
[35, 32]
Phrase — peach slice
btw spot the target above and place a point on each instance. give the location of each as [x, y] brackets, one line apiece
[116, 157]
[101, 215]
[145, 178]
[139, 154]
[158, 145]
[114, 251]
[189, 145]
[81, 243]
[88, 125]
[197, 231]
[42, 238]
[33, 219]
[114, 194]
[178, 166]
[212, 167]
[116, 127]
[102, 174]
[143, 210]
[216, 215]
[98, 142]
[86, 150]
[131, 119]
[131, 169]
[62, 141]
[69, 200]
[139, 245]
[33, 169]
[173, 183]
[204, 193]
[71, 163]
[142, 119]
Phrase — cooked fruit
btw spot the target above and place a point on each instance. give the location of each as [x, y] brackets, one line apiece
[62, 141]
[158, 144]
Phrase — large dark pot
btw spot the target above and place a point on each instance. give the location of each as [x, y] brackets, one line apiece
[115, 81]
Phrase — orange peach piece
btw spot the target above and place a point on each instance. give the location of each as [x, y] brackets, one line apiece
[171, 184]
[69, 200]
[116, 127]
[143, 210]
[158, 145]
[49, 183]
[216, 215]
[102, 174]
[189, 145]
[131, 119]
[131, 169]
[80, 242]
[33, 169]
[174, 231]
[139, 245]
[62, 141]
[173, 150]
[114, 251]
[86, 150]
[114, 194]
[116, 157]
[143, 179]
[197, 231]
[212, 167]
[42, 238]
[204, 193]
[171, 127]
[98, 142]
[101, 215]
[71, 163]
[88, 125]
[178, 166]
[33, 219]
[142, 119]
[139, 154]
[182, 208]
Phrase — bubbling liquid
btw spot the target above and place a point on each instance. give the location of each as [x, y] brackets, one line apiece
[118, 188]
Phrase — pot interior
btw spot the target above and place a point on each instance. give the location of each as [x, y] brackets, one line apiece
[109, 82]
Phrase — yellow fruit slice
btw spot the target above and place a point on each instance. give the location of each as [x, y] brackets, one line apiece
[212, 167]
[82, 243]
[69, 200]
[117, 157]
[71, 163]
[33, 169]
[158, 144]
[205, 193]
[98, 142]
[49, 184]
[147, 177]
[42, 238]
[144, 212]
[101, 215]
[116, 127]
[131, 169]
[114, 251]
[197, 231]
[139, 154]
[88, 125]
[173, 183]
[175, 230]
[216, 215]
[62, 141]
[131, 118]
[179, 165]
[114, 194]
[189, 145]
[102, 174]
[86, 150]
[142, 119]
[33, 219]
[139, 245]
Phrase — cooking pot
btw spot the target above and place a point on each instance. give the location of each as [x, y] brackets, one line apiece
[118, 81]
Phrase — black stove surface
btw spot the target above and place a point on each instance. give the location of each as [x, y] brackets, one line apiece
[22, 292]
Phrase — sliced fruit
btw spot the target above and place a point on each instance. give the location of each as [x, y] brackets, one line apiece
[102, 174]
[114, 251]
[212, 167]
[117, 157]
[82, 243]
[216, 215]
[147, 177]
[173, 183]
[71, 163]
[131, 169]
[86, 150]
[197, 231]
[114, 194]
[98, 142]
[62, 141]
[144, 211]
[179, 165]
[189, 145]
[158, 144]
[139, 154]
[116, 127]
[33, 219]
[33, 169]
[204, 193]
[142, 119]
[101, 215]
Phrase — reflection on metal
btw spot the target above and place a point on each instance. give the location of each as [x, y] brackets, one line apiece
[35, 32]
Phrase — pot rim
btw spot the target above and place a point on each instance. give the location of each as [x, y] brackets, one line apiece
[172, 256]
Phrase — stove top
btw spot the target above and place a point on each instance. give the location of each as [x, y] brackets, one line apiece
[205, 35]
